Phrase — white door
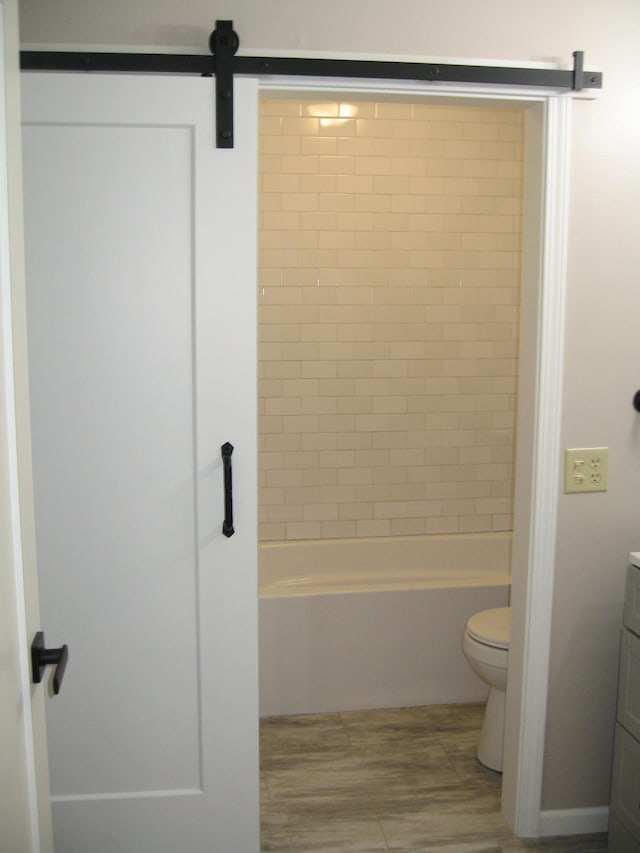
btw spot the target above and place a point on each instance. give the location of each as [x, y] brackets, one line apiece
[140, 247]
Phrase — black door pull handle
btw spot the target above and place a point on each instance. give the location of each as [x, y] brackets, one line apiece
[41, 657]
[227, 524]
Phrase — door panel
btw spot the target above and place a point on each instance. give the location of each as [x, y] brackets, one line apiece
[141, 321]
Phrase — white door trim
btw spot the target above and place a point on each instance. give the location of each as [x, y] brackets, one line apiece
[25, 813]
[544, 490]
[528, 711]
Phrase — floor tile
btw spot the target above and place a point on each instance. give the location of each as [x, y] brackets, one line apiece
[301, 735]
[440, 816]
[403, 779]
[327, 824]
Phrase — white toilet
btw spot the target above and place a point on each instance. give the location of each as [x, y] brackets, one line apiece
[486, 647]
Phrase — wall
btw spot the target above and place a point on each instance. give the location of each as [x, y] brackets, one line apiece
[388, 288]
[602, 350]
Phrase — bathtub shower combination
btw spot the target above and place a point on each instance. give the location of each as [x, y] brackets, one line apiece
[353, 624]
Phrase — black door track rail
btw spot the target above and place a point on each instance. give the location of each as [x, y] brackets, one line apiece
[224, 64]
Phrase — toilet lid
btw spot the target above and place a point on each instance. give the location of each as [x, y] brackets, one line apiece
[491, 627]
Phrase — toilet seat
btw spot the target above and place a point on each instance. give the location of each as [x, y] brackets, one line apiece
[491, 627]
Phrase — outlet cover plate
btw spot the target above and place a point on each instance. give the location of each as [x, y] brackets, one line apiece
[586, 469]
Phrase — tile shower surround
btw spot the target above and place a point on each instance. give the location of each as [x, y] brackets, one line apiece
[389, 279]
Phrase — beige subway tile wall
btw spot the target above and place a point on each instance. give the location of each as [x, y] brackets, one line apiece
[389, 285]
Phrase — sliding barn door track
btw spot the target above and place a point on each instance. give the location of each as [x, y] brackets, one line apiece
[224, 64]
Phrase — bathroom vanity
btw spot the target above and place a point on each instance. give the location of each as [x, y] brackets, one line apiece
[624, 815]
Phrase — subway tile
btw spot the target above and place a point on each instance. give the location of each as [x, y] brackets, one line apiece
[411, 168]
[377, 241]
[281, 513]
[473, 242]
[353, 221]
[485, 169]
[320, 405]
[447, 130]
[374, 203]
[317, 183]
[388, 440]
[319, 476]
[355, 511]
[270, 201]
[320, 512]
[338, 530]
[408, 526]
[398, 149]
[283, 478]
[344, 127]
[278, 442]
[280, 107]
[444, 204]
[318, 220]
[282, 406]
[372, 350]
[474, 523]
[374, 493]
[354, 405]
[337, 202]
[297, 239]
[355, 369]
[338, 164]
[300, 126]
[377, 527]
[299, 201]
[355, 146]
[335, 458]
[425, 474]
[299, 424]
[280, 183]
[320, 294]
[318, 145]
[389, 510]
[271, 531]
[358, 441]
[355, 477]
[415, 202]
[390, 475]
[304, 530]
[270, 145]
[424, 149]
[442, 525]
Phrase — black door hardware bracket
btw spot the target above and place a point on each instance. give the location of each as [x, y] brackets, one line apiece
[224, 43]
[227, 525]
[224, 63]
[42, 657]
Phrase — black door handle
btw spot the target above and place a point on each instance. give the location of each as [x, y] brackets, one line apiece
[41, 657]
[227, 524]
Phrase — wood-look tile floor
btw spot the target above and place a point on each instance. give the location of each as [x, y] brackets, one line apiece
[404, 779]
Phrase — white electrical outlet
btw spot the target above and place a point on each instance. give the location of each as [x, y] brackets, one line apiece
[586, 469]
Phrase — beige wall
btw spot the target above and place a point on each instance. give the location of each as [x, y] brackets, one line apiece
[388, 288]
[602, 368]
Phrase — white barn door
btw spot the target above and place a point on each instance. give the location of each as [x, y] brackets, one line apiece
[140, 246]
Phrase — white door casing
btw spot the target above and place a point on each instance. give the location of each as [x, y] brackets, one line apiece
[25, 815]
[141, 265]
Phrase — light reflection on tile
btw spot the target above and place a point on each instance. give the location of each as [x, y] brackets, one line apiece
[398, 779]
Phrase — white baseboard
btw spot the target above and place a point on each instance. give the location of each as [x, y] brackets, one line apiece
[574, 821]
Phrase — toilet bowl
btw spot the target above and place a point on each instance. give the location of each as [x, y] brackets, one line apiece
[485, 645]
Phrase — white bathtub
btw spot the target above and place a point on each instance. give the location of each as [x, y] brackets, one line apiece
[374, 623]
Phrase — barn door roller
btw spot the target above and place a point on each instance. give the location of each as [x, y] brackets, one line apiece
[224, 43]
[225, 63]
